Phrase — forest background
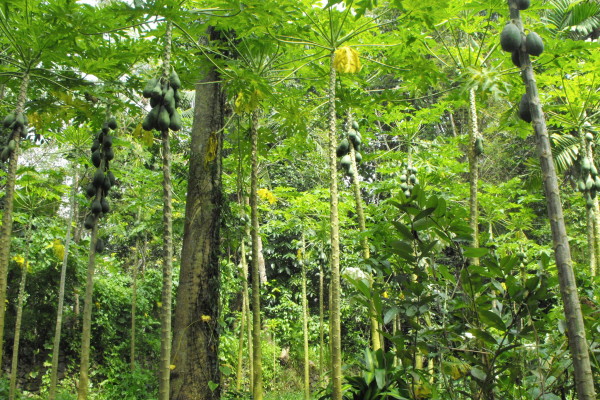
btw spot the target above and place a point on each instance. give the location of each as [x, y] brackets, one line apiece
[344, 200]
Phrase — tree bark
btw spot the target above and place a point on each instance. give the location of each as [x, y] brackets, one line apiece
[15, 355]
[473, 173]
[195, 326]
[321, 318]
[336, 336]
[305, 324]
[257, 389]
[7, 215]
[584, 382]
[84, 365]
[61, 290]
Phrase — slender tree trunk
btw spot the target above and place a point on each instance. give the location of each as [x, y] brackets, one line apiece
[336, 336]
[7, 215]
[247, 313]
[593, 247]
[15, 355]
[257, 390]
[167, 288]
[584, 381]
[134, 274]
[321, 319]
[196, 329]
[84, 365]
[473, 173]
[596, 223]
[240, 358]
[364, 241]
[305, 325]
[61, 290]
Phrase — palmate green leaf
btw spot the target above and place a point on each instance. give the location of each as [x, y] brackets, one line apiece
[565, 150]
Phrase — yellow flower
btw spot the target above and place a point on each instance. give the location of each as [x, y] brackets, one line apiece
[206, 318]
[385, 295]
[265, 194]
[59, 249]
[346, 60]
[19, 260]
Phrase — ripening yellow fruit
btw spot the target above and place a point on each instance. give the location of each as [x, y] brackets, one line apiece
[346, 60]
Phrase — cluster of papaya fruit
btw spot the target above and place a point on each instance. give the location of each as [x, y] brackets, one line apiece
[408, 179]
[353, 138]
[164, 100]
[103, 179]
[511, 39]
[589, 182]
[16, 124]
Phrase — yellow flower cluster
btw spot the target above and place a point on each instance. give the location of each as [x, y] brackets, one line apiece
[265, 194]
[346, 60]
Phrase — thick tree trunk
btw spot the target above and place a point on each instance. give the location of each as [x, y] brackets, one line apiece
[7, 215]
[473, 173]
[84, 365]
[196, 329]
[257, 389]
[165, 334]
[336, 335]
[584, 381]
[61, 291]
[15, 355]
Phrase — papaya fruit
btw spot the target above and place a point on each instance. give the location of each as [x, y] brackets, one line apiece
[112, 123]
[346, 162]
[357, 156]
[107, 142]
[524, 111]
[581, 186]
[589, 183]
[149, 88]
[516, 60]
[99, 246]
[355, 125]
[12, 145]
[534, 44]
[163, 121]
[169, 97]
[156, 90]
[355, 138]
[177, 98]
[523, 4]
[9, 120]
[89, 222]
[90, 190]
[597, 183]
[150, 120]
[95, 145]
[403, 178]
[20, 121]
[105, 205]
[105, 128]
[112, 178]
[174, 80]
[586, 165]
[589, 136]
[343, 148]
[106, 184]
[109, 154]
[175, 122]
[510, 38]
[478, 146]
[96, 158]
[5, 154]
[407, 193]
[404, 186]
[412, 179]
[98, 178]
[96, 206]
[593, 170]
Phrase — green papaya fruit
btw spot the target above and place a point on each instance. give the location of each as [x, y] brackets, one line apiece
[407, 193]
[597, 183]
[586, 165]
[589, 136]
[523, 4]
[99, 246]
[478, 146]
[156, 90]
[346, 162]
[357, 156]
[355, 125]
[174, 80]
[169, 97]
[105, 205]
[412, 179]
[98, 178]
[155, 101]
[581, 186]
[510, 38]
[355, 137]
[343, 148]
[404, 186]
[163, 121]
[589, 200]
[96, 158]
[95, 145]
[107, 142]
[109, 154]
[524, 110]
[89, 222]
[12, 145]
[20, 121]
[403, 178]
[112, 178]
[90, 190]
[175, 121]
[589, 183]
[593, 170]
[106, 185]
[534, 44]
[516, 58]
[149, 88]
[9, 120]
[112, 123]
[177, 98]
[105, 128]
[5, 154]
[25, 120]
[96, 206]
[149, 122]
